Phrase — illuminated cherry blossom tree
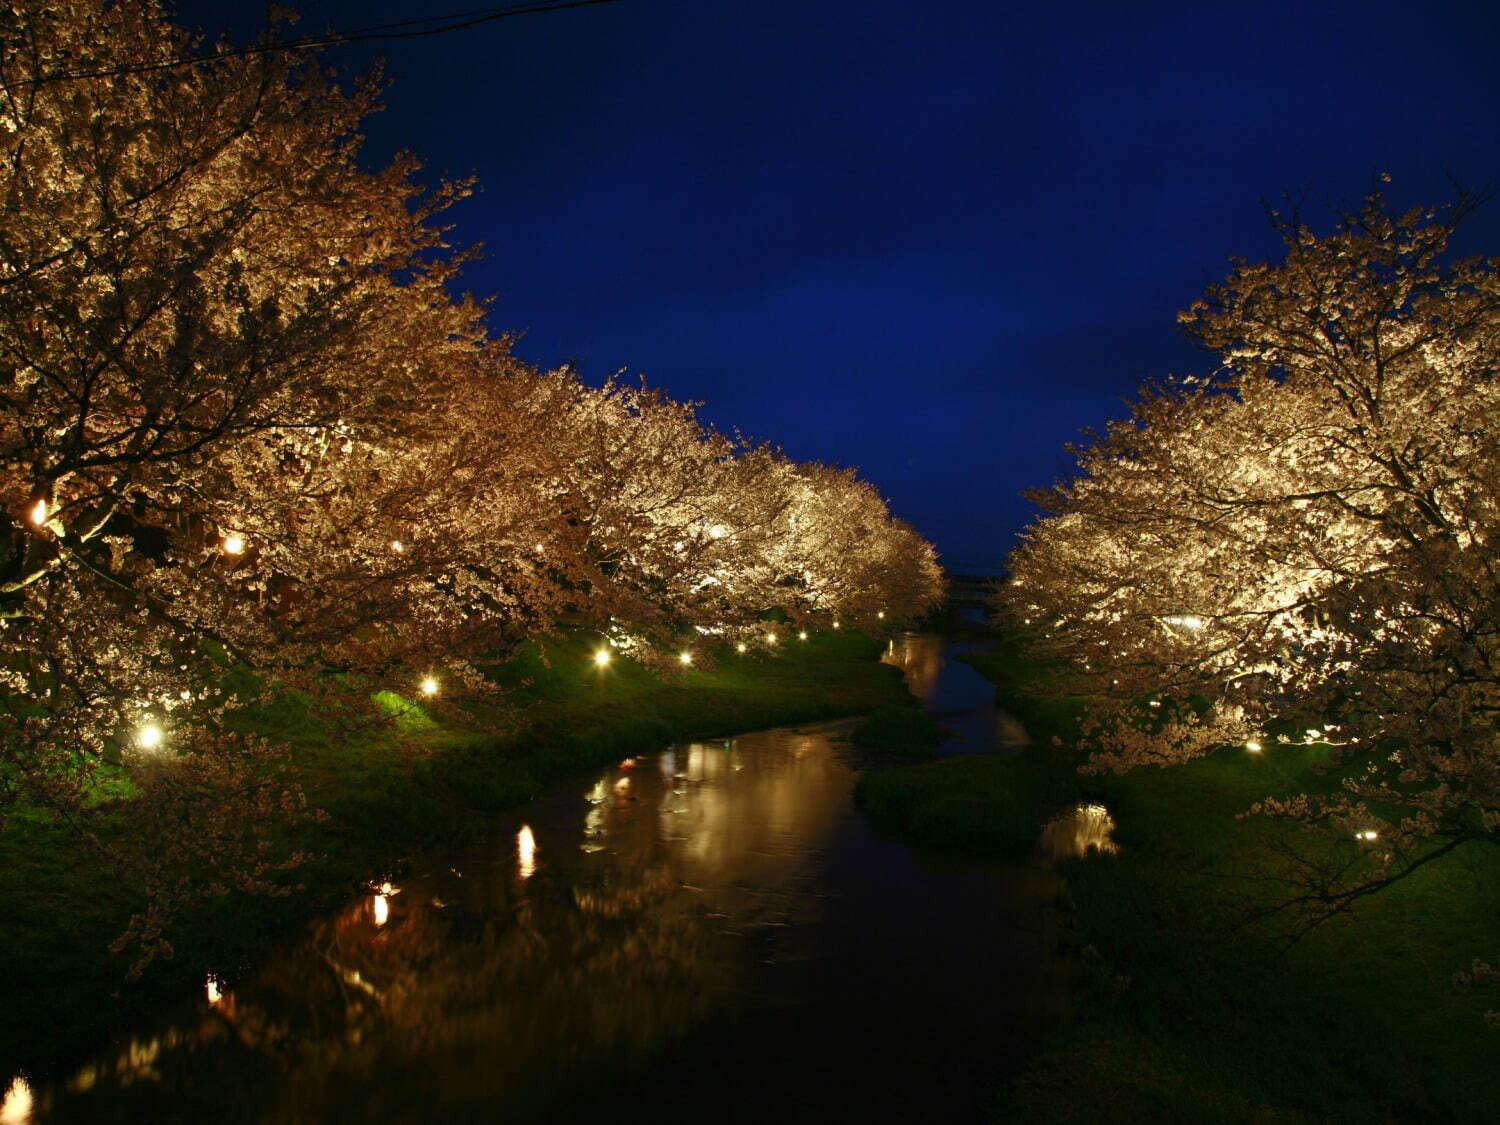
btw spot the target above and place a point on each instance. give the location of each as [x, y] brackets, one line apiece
[1300, 546]
[244, 425]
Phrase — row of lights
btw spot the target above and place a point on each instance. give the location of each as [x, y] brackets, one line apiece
[685, 658]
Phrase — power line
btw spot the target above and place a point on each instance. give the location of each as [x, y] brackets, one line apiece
[471, 18]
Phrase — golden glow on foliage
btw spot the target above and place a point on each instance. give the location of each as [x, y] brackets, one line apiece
[398, 546]
[233, 544]
[525, 852]
[1186, 620]
[429, 686]
[717, 531]
[149, 736]
[601, 658]
[685, 658]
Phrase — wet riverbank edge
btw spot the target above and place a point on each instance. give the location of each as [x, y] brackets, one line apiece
[1190, 1002]
[388, 796]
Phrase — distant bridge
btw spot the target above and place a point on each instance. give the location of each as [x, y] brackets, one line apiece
[968, 593]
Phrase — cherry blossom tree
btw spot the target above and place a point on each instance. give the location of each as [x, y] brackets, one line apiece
[245, 425]
[1299, 547]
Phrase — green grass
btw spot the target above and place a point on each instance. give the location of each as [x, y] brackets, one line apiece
[902, 729]
[390, 794]
[1189, 1002]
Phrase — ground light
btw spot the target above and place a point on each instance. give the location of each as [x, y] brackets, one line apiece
[802, 636]
[1253, 746]
[149, 736]
[741, 647]
[525, 852]
[881, 615]
[429, 686]
[601, 658]
[770, 638]
[234, 544]
[686, 658]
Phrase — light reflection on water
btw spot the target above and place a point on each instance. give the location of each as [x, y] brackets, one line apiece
[956, 694]
[920, 658]
[614, 919]
[1077, 832]
[714, 924]
[16, 1108]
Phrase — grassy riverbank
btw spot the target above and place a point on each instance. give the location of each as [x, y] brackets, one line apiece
[1191, 1006]
[388, 798]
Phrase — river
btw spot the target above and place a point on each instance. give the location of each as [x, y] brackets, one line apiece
[712, 929]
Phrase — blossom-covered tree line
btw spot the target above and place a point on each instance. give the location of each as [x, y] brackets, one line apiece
[247, 426]
[1300, 546]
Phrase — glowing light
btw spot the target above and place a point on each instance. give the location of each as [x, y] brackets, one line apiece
[1368, 834]
[1186, 620]
[525, 852]
[770, 638]
[212, 990]
[16, 1108]
[802, 636]
[835, 624]
[148, 737]
[380, 909]
[233, 545]
[398, 546]
[601, 657]
[685, 658]
[429, 686]
[1253, 746]
[717, 531]
[537, 548]
[38, 516]
[741, 647]
[881, 615]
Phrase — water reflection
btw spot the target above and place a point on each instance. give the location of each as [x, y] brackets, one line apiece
[1077, 832]
[16, 1108]
[920, 658]
[632, 933]
[956, 694]
[525, 852]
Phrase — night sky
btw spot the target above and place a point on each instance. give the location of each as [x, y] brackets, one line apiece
[934, 240]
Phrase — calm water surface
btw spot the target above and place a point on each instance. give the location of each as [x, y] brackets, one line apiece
[712, 929]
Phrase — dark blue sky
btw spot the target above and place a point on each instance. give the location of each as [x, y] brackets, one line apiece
[934, 240]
